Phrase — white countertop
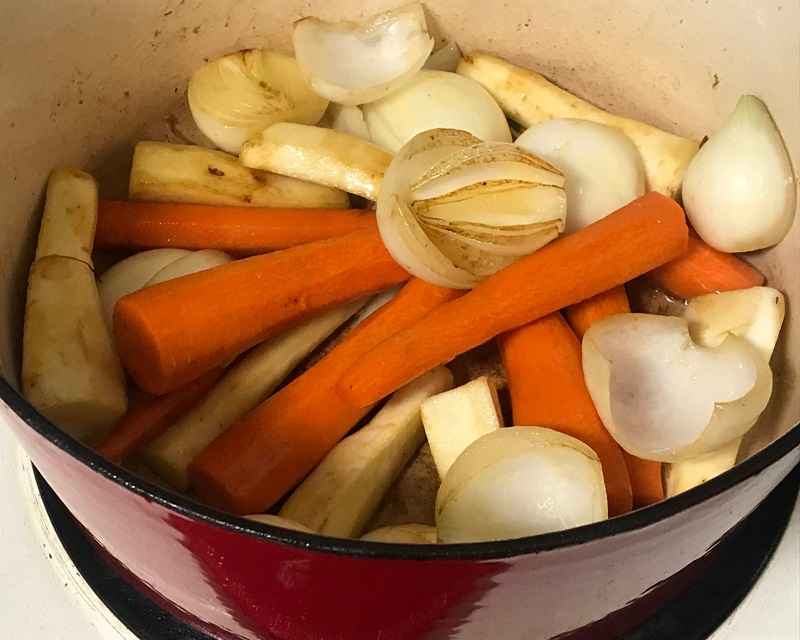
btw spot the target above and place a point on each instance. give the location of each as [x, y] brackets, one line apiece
[45, 598]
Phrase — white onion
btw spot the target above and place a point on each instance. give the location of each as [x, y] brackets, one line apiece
[236, 96]
[194, 262]
[347, 119]
[739, 190]
[355, 63]
[602, 169]
[435, 100]
[444, 59]
[517, 482]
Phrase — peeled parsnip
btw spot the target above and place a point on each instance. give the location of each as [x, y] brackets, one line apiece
[687, 474]
[528, 98]
[277, 521]
[403, 534]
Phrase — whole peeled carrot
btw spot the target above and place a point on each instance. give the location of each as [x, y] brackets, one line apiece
[266, 453]
[241, 230]
[171, 333]
[640, 236]
[582, 315]
[544, 368]
[152, 415]
[703, 269]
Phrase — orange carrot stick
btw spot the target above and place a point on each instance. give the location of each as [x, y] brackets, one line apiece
[151, 415]
[704, 270]
[648, 487]
[174, 332]
[545, 378]
[582, 315]
[625, 244]
[243, 230]
[270, 450]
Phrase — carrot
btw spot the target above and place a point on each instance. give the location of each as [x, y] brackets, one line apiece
[648, 487]
[582, 315]
[270, 450]
[242, 230]
[152, 415]
[173, 332]
[545, 379]
[702, 270]
[640, 236]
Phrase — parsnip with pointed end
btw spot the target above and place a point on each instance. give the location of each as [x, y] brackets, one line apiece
[339, 497]
[517, 482]
[277, 521]
[528, 98]
[663, 397]
[318, 155]
[455, 419]
[403, 534]
[163, 172]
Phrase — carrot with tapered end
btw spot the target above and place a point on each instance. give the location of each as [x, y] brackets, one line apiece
[152, 415]
[646, 480]
[266, 453]
[640, 236]
[242, 230]
[545, 379]
[703, 269]
[582, 315]
[173, 332]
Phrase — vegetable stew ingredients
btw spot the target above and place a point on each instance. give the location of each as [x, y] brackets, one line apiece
[455, 419]
[234, 97]
[249, 231]
[195, 262]
[173, 332]
[347, 119]
[739, 191]
[403, 534]
[277, 521]
[318, 155]
[444, 59]
[517, 482]
[353, 63]
[270, 450]
[163, 172]
[687, 474]
[435, 100]
[702, 270]
[633, 240]
[545, 379]
[647, 485]
[583, 315]
[151, 415]
[345, 489]
[602, 169]
[246, 385]
[528, 98]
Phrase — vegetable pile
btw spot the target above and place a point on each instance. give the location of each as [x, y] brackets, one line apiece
[371, 295]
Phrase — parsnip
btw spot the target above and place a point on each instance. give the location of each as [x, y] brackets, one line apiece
[241, 390]
[685, 475]
[70, 371]
[163, 172]
[528, 98]
[277, 521]
[319, 155]
[403, 534]
[455, 419]
[340, 496]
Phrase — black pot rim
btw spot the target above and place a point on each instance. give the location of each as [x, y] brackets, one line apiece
[632, 521]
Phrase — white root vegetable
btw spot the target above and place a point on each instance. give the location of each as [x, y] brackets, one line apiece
[403, 534]
[517, 482]
[602, 169]
[435, 100]
[234, 97]
[347, 119]
[163, 172]
[739, 191]
[354, 63]
[277, 521]
[528, 98]
[690, 473]
[663, 397]
[444, 59]
[455, 419]
[246, 385]
[318, 155]
[192, 263]
[343, 492]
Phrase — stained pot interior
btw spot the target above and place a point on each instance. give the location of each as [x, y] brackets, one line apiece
[84, 81]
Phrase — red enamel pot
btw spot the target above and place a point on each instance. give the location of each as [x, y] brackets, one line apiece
[84, 80]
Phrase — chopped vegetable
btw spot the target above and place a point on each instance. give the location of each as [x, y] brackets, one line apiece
[688, 474]
[320, 156]
[195, 262]
[584, 314]
[633, 240]
[545, 378]
[277, 521]
[173, 332]
[647, 484]
[345, 489]
[739, 191]
[517, 482]
[270, 450]
[444, 59]
[403, 534]
[347, 119]
[528, 98]
[164, 172]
